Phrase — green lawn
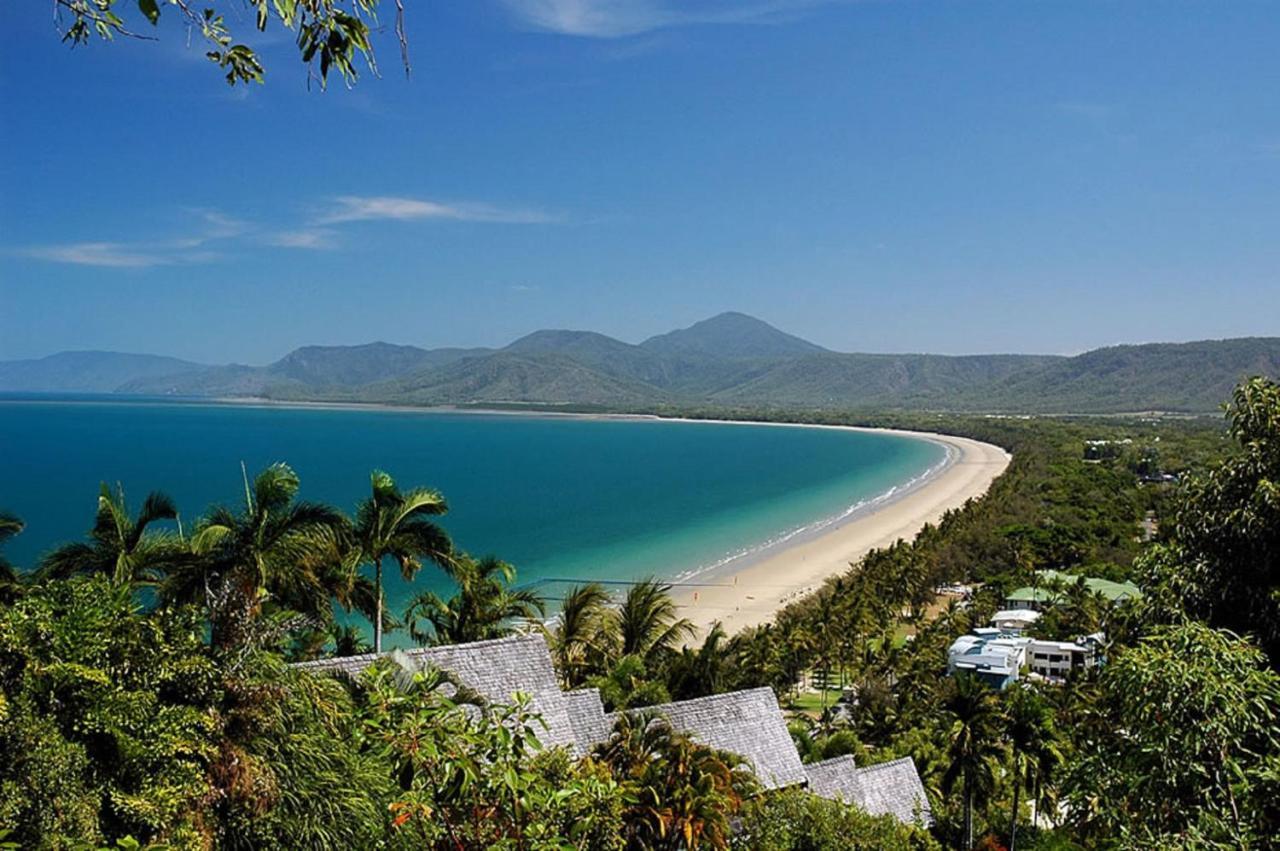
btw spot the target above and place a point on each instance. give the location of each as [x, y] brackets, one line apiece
[811, 701]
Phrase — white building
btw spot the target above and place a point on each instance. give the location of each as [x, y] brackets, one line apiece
[993, 656]
[1016, 621]
[1001, 654]
[1055, 660]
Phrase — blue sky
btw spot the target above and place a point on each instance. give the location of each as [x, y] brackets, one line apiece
[875, 176]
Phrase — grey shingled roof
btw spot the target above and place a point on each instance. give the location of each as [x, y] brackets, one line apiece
[748, 723]
[889, 787]
[496, 669]
[590, 724]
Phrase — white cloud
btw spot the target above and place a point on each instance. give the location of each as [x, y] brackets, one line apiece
[357, 208]
[215, 226]
[313, 238]
[114, 255]
[180, 250]
[617, 18]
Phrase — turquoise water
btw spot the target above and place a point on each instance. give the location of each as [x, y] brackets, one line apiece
[558, 497]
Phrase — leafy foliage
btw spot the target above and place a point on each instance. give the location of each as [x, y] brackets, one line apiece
[474, 779]
[331, 34]
[10, 581]
[794, 820]
[1182, 748]
[684, 793]
[108, 721]
[1223, 562]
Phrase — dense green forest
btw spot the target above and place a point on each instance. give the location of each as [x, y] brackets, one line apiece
[146, 695]
[727, 360]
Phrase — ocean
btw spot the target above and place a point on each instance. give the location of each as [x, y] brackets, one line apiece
[563, 499]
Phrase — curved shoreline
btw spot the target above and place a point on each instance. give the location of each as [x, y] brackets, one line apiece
[749, 588]
[751, 591]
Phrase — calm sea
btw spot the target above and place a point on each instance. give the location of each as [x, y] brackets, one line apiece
[560, 498]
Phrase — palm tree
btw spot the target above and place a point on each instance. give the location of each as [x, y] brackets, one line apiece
[686, 793]
[580, 640]
[482, 608]
[121, 547]
[347, 640]
[296, 555]
[697, 673]
[973, 742]
[10, 581]
[756, 654]
[395, 524]
[646, 624]
[1034, 742]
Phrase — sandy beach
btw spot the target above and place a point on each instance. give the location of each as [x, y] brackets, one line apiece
[750, 595]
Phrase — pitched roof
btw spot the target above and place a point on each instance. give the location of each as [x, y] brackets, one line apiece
[586, 712]
[889, 787]
[497, 669]
[1111, 590]
[748, 723]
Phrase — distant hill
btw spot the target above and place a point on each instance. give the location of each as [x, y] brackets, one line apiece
[1195, 376]
[728, 360]
[513, 378]
[731, 335]
[348, 366]
[302, 372]
[882, 381]
[86, 372]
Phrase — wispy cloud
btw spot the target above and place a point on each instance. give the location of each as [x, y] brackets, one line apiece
[189, 248]
[113, 255]
[311, 238]
[359, 208]
[209, 227]
[618, 18]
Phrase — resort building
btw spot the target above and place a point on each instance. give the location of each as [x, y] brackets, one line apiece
[1016, 621]
[1055, 660]
[994, 657]
[1000, 654]
[748, 723]
[1042, 595]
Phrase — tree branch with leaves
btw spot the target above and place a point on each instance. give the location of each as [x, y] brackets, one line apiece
[331, 35]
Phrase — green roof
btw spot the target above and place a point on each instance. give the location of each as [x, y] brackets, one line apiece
[1111, 590]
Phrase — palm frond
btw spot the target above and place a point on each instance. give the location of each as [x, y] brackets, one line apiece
[275, 487]
[10, 525]
[420, 502]
[210, 536]
[69, 560]
[157, 506]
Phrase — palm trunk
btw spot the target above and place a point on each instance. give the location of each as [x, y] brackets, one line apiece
[377, 591]
[968, 813]
[1017, 787]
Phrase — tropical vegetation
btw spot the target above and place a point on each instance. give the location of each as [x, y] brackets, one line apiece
[146, 693]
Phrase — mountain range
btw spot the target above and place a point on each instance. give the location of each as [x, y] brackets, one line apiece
[727, 360]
